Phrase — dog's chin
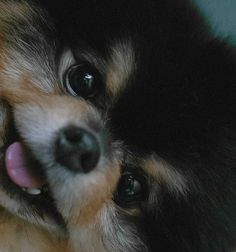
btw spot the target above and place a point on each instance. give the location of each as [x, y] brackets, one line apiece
[35, 205]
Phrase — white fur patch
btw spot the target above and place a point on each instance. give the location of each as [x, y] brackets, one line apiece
[66, 60]
[119, 234]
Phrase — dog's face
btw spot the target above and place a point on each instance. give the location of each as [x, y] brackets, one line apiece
[95, 115]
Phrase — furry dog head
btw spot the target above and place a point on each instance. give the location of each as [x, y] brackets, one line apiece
[120, 116]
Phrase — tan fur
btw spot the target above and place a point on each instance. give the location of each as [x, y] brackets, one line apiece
[98, 195]
[120, 67]
[165, 174]
[10, 13]
[20, 236]
[12, 10]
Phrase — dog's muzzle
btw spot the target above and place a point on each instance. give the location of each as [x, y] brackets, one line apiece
[77, 149]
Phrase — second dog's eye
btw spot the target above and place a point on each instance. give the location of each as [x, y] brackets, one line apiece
[132, 189]
[82, 80]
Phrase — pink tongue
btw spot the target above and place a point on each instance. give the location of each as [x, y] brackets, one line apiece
[16, 169]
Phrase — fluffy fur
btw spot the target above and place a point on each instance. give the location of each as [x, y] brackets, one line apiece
[162, 114]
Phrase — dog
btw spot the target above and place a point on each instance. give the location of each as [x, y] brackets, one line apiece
[118, 128]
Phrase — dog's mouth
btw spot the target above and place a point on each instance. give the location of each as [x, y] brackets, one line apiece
[19, 173]
[25, 184]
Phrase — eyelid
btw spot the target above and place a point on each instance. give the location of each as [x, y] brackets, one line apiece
[134, 170]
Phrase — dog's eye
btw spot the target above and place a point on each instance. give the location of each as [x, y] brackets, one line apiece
[132, 189]
[82, 80]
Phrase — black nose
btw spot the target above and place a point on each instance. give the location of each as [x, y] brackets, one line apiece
[77, 149]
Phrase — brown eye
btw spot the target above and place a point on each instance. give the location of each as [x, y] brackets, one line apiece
[82, 80]
[132, 188]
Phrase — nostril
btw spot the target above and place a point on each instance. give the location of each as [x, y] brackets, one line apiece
[77, 149]
[73, 135]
